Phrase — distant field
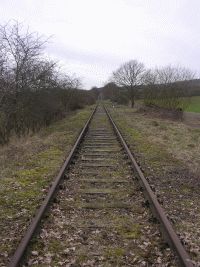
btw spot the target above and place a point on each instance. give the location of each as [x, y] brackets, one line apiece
[194, 105]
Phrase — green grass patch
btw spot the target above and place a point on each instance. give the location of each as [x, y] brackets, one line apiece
[194, 105]
[115, 252]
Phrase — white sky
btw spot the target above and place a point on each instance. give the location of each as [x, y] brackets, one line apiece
[93, 37]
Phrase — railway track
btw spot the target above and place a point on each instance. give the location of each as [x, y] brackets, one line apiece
[100, 216]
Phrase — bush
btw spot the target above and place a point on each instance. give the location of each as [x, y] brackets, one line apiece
[33, 93]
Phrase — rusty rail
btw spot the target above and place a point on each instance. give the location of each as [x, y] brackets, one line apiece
[166, 227]
[22, 247]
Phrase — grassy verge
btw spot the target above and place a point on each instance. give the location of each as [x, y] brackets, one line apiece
[166, 141]
[27, 166]
[169, 154]
[194, 105]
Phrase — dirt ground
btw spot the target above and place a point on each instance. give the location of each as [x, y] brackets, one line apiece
[192, 119]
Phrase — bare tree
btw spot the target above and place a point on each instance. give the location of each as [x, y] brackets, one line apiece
[27, 71]
[170, 74]
[22, 50]
[129, 75]
[69, 86]
[165, 86]
[2, 78]
[33, 92]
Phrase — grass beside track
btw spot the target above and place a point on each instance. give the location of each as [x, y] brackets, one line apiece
[194, 105]
[27, 166]
[168, 152]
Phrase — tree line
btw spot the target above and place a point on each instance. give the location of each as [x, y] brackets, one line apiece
[33, 90]
[166, 87]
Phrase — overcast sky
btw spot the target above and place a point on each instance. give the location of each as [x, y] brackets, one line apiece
[93, 37]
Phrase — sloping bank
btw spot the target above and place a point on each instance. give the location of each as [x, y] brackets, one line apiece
[169, 153]
[27, 167]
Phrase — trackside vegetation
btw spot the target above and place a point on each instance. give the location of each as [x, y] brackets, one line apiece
[194, 104]
[168, 152]
[169, 87]
[27, 167]
[33, 90]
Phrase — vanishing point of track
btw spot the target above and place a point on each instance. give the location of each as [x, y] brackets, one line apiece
[101, 216]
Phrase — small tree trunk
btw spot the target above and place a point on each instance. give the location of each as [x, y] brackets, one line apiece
[132, 102]
[132, 97]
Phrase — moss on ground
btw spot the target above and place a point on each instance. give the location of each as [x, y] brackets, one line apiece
[115, 252]
[132, 231]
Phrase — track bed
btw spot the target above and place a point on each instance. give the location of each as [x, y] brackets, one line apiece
[100, 217]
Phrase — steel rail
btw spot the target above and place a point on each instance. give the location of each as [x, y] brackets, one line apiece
[166, 227]
[34, 225]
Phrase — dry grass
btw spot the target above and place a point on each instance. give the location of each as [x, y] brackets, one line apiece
[180, 141]
[27, 166]
[169, 153]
